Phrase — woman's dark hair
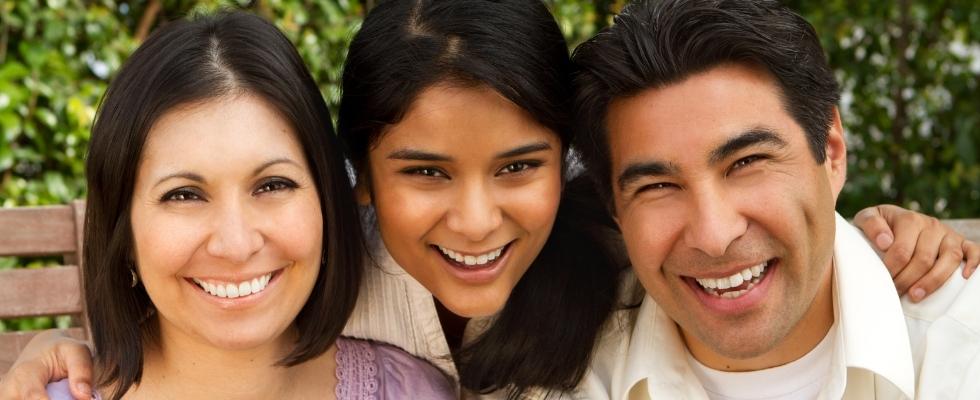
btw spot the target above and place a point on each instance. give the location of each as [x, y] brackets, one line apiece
[543, 337]
[653, 44]
[187, 62]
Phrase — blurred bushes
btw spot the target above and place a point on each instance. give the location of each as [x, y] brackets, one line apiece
[909, 71]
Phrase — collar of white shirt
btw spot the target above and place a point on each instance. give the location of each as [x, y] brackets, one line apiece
[872, 335]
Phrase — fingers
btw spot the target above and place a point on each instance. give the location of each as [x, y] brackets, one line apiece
[950, 258]
[874, 225]
[75, 359]
[26, 380]
[925, 252]
[971, 253]
[908, 228]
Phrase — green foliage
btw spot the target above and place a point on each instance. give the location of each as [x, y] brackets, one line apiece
[909, 70]
[911, 105]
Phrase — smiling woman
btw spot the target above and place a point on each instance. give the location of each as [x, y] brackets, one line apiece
[221, 236]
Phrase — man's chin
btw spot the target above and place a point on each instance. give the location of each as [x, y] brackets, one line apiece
[731, 350]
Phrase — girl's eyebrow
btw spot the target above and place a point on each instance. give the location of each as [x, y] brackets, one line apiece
[525, 149]
[422, 155]
[417, 155]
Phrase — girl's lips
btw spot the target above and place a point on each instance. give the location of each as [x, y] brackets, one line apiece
[476, 274]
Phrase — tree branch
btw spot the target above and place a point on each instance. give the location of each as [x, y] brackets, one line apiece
[146, 21]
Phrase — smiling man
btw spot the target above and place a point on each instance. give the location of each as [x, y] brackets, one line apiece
[713, 127]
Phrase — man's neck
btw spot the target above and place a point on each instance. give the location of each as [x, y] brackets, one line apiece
[803, 338]
[184, 369]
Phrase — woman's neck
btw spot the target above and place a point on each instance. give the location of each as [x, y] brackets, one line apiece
[183, 368]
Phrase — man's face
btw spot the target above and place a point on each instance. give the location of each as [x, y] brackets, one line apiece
[727, 216]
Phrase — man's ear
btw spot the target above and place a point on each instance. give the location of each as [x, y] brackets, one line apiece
[836, 162]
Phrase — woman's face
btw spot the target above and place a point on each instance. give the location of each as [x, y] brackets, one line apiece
[466, 188]
[226, 223]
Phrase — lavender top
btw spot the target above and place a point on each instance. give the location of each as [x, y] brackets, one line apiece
[365, 371]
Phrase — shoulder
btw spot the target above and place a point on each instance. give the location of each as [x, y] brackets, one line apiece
[366, 368]
[60, 391]
[956, 300]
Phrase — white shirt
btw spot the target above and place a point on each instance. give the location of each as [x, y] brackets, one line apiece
[797, 380]
[885, 348]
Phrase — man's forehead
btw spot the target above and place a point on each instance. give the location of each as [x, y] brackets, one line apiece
[696, 116]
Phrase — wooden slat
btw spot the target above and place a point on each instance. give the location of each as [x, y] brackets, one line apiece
[970, 228]
[35, 231]
[35, 292]
[12, 343]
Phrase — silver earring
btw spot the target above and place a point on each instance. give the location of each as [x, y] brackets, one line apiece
[136, 279]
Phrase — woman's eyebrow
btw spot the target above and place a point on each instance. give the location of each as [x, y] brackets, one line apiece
[267, 164]
[182, 175]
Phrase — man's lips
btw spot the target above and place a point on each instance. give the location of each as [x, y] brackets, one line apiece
[736, 284]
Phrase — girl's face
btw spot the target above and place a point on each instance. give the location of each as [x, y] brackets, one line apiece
[226, 223]
[466, 188]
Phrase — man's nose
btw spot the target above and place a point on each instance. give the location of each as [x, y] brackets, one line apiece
[715, 222]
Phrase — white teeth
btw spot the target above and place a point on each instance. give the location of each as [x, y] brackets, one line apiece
[723, 283]
[747, 274]
[751, 274]
[736, 280]
[235, 290]
[470, 260]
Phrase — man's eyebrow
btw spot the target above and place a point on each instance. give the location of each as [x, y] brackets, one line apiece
[417, 155]
[635, 171]
[752, 137]
[525, 149]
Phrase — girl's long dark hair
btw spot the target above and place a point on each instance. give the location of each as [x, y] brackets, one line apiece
[543, 337]
[189, 61]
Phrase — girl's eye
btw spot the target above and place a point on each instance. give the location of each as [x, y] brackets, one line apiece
[519, 166]
[426, 172]
[181, 194]
[276, 185]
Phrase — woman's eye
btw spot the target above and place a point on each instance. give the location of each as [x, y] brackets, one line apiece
[181, 194]
[275, 186]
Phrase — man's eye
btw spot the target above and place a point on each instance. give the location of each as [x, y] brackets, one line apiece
[655, 186]
[746, 161]
[276, 185]
[182, 194]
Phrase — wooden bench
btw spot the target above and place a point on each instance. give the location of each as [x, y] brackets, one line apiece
[41, 231]
[57, 230]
